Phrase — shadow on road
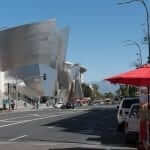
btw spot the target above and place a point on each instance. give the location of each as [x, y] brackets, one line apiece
[98, 124]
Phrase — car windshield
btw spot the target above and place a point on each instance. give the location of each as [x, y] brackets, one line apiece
[128, 103]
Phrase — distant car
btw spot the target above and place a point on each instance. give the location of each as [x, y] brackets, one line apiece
[124, 109]
[95, 104]
[102, 103]
[108, 101]
[70, 105]
[132, 124]
[59, 105]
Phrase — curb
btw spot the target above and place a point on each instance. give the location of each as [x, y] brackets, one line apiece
[17, 111]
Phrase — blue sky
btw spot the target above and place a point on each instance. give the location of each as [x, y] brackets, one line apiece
[97, 30]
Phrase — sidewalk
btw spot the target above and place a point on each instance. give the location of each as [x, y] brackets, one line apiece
[56, 146]
[32, 108]
[27, 108]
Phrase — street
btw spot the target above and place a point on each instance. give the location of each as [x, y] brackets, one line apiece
[92, 127]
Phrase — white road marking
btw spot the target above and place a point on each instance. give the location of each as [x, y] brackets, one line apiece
[30, 115]
[36, 115]
[12, 122]
[18, 117]
[51, 127]
[26, 121]
[14, 139]
[7, 121]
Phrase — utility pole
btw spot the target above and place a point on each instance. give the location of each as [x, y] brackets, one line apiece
[130, 43]
[147, 21]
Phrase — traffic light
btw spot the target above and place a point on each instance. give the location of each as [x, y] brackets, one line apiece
[44, 76]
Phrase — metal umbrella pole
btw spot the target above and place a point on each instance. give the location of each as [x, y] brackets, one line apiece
[148, 109]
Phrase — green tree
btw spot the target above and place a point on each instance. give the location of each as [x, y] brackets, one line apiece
[87, 91]
[126, 90]
[91, 91]
[108, 95]
[132, 91]
[96, 92]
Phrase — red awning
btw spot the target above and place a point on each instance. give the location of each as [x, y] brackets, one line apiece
[137, 77]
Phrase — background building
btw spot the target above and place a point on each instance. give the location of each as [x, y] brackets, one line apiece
[70, 82]
[28, 52]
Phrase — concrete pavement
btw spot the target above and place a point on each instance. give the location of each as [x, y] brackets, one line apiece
[28, 108]
[90, 127]
[56, 146]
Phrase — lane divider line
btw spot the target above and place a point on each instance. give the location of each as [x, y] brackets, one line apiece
[26, 121]
[30, 115]
[14, 139]
[7, 121]
[51, 127]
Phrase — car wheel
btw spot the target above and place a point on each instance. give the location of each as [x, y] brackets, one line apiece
[127, 139]
[121, 127]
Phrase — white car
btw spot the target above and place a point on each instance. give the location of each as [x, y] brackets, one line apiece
[59, 105]
[124, 109]
[102, 103]
[132, 124]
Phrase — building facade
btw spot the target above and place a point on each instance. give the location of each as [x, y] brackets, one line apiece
[71, 81]
[28, 52]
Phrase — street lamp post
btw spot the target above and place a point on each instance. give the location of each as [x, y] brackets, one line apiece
[138, 60]
[147, 22]
[130, 42]
[148, 38]
[148, 34]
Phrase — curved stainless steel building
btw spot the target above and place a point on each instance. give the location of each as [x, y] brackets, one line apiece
[29, 51]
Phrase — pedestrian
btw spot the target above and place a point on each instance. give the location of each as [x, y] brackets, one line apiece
[12, 104]
[25, 104]
[37, 104]
[33, 103]
[47, 103]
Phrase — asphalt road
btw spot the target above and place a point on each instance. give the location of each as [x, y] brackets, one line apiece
[87, 127]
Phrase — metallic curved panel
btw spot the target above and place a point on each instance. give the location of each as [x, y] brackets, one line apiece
[28, 51]
[62, 36]
[32, 75]
[40, 86]
[28, 44]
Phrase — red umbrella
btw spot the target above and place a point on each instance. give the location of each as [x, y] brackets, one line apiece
[137, 77]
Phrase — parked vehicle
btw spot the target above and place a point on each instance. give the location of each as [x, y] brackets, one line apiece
[59, 105]
[102, 103]
[124, 109]
[108, 101]
[70, 105]
[132, 124]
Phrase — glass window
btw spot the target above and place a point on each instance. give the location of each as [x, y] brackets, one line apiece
[128, 103]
